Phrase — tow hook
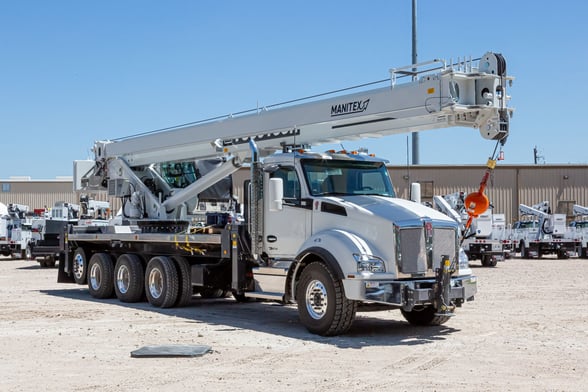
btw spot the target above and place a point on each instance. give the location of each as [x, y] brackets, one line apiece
[443, 288]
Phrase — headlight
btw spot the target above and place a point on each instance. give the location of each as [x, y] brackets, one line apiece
[464, 263]
[368, 263]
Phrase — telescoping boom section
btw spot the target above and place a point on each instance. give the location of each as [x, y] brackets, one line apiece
[323, 230]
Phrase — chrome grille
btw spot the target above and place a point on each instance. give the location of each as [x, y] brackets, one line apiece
[415, 258]
[412, 254]
[444, 243]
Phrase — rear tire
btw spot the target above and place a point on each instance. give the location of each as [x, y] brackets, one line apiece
[185, 290]
[80, 266]
[210, 293]
[101, 276]
[49, 262]
[524, 251]
[322, 305]
[424, 316]
[129, 278]
[489, 261]
[161, 282]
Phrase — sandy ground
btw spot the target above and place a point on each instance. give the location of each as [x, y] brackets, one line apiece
[526, 330]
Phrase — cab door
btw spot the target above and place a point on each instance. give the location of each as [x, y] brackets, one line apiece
[286, 228]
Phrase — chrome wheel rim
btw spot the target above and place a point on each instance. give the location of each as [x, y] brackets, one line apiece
[155, 283]
[316, 299]
[78, 266]
[123, 279]
[95, 276]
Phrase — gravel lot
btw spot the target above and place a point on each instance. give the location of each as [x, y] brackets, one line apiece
[526, 330]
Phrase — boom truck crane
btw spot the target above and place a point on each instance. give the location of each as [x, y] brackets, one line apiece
[323, 230]
[539, 232]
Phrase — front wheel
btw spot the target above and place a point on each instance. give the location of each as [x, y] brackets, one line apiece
[322, 305]
[424, 315]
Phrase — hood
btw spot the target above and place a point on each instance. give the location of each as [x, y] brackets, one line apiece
[401, 212]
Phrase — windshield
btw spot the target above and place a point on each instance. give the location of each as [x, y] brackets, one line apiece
[527, 225]
[347, 177]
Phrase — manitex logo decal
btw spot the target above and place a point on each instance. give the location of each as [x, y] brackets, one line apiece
[349, 108]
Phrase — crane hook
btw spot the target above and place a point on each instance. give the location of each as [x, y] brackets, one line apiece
[477, 202]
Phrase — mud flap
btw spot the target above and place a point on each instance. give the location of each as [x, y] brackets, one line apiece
[65, 265]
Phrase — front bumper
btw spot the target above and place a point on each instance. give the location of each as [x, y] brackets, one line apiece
[410, 293]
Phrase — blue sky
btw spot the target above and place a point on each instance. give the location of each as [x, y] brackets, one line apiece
[77, 71]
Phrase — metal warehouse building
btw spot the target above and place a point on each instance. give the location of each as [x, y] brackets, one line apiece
[39, 193]
[509, 185]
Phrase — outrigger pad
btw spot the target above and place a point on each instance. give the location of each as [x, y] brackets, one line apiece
[171, 351]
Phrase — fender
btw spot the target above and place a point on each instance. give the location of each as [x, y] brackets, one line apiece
[336, 248]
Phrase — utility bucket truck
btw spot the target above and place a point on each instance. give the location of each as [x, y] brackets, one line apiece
[21, 233]
[15, 233]
[539, 232]
[5, 227]
[580, 229]
[483, 240]
[323, 230]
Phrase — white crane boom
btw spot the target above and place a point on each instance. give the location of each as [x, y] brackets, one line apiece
[580, 210]
[534, 211]
[442, 97]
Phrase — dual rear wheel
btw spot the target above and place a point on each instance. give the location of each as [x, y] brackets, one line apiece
[164, 282]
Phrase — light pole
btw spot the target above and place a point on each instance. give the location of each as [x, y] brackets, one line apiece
[415, 135]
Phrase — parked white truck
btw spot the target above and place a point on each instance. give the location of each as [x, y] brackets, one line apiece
[320, 229]
[579, 228]
[540, 232]
[15, 230]
[482, 240]
[48, 229]
[4, 230]
[20, 233]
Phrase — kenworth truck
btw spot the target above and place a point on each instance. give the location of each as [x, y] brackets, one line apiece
[324, 230]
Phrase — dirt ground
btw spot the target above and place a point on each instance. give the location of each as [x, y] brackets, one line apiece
[526, 330]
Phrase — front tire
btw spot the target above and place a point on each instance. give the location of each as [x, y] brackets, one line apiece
[101, 276]
[423, 316]
[129, 278]
[161, 282]
[322, 305]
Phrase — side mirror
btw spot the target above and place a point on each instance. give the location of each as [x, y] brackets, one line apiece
[276, 194]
